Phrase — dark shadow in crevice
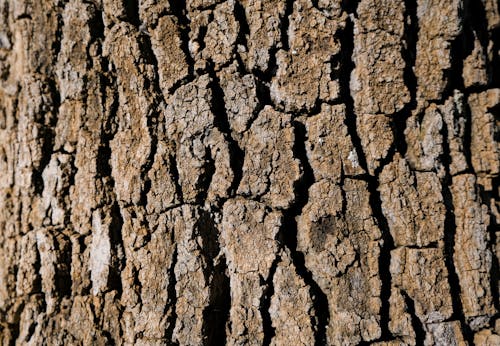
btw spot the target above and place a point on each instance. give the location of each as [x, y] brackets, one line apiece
[175, 177]
[265, 303]
[216, 314]
[288, 235]
[132, 12]
[244, 32]
[14, 332]
[172, 301]
[118, 260]
[449, 245]
[409, 53]
[350, 6]
[417, 325]
[46, 137]
[218, 108]
[487, 197]
[56, 45]
[343, 73]
[285, 24]
[494, 72]
[476, 24]
[178, 8]
[62, 278]
[384, 260]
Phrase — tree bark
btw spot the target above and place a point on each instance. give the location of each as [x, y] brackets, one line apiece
[249, 172]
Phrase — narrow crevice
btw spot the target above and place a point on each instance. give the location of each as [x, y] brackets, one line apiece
[178, 8]
[288, 236]
[355, 263]
[342, 190]
[24, 16]
[37, 266]
[409, 54]
[431, 245]
[97, 28]
[417, 325]
[218, 108]
[398, 125]
[103, 167]
[85, 289]
[207, 231]
[96, 25]
[172, 301]
[31, 332]
[244, 32]
[449, 245]
[46, 135]
[108, 131]
[109, 338]
[153, 113]
[312, 111]
[66, 190]
[46, 138]
[476, 22]
[209, 5]
[118, 250]
[263, 93]
[467, 136]
[137, 284]
[489, 197]
[202, 33]
[104, 173]
[466, 114]
[265, 304]
[145, 169]
[175, 177]
[132, 12]
[63, 279]
[350, 6]
[384, 260]
[494, 72]
[343, 73]
[494, 270]
[94, 313]
[460, 48]
[56, 44]
[216, 315]
[55, 96]
[14, 332]
[206, 177]
[265, 77]
[263, 80]
[153, 116]
[285, 24]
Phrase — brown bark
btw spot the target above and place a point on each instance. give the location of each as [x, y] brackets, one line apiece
[248, 172]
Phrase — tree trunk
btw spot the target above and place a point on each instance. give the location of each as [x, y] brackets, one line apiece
[249, 172]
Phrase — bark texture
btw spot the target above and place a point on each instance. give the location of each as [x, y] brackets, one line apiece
[249, 172]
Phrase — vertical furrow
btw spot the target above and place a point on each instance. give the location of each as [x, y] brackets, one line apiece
[289, 236]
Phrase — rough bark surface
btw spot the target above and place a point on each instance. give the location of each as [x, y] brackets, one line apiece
[249, 172]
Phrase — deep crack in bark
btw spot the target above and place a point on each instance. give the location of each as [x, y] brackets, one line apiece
[289, 236]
